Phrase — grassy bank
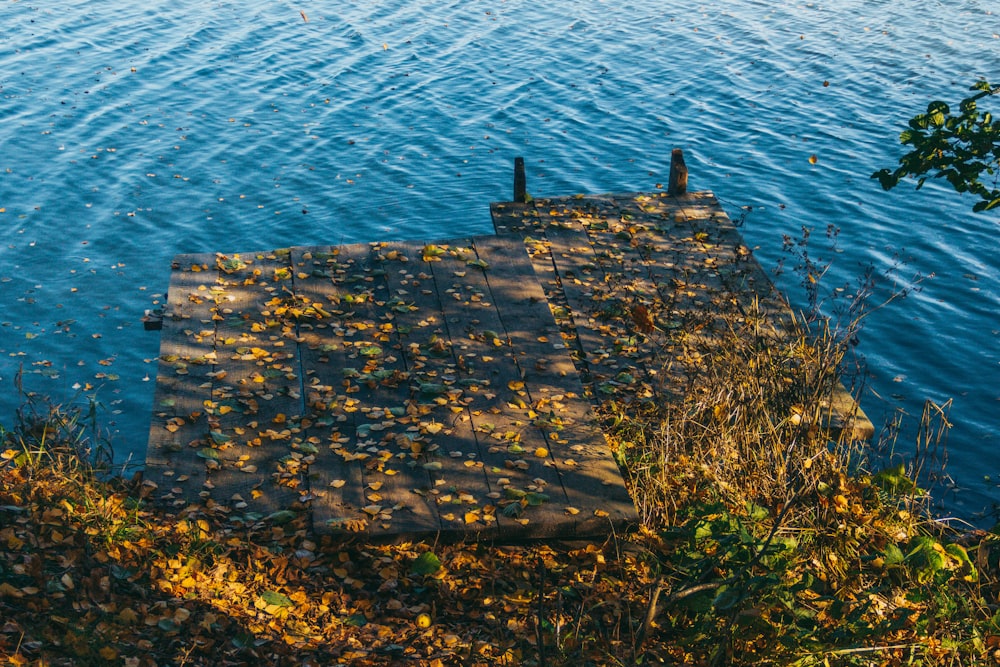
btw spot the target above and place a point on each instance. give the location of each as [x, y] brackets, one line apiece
[764, 540]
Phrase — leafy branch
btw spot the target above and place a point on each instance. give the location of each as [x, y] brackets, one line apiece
[957, 147]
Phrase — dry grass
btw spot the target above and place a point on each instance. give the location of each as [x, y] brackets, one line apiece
[750, 427]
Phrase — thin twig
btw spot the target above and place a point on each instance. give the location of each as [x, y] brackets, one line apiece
[539, 638]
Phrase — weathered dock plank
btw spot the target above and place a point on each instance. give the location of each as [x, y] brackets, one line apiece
[577, 446]
[389, 389]
[255, 396]
[226, 377]
[186, 349]
[440, 437]
[495, 415]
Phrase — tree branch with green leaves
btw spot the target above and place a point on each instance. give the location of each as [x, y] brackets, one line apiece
[963, 148]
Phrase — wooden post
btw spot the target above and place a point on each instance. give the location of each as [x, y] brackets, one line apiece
[153, 320]
[520, 181]
[678, 183]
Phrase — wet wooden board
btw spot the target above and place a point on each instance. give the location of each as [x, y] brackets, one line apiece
[386, 390]
[644, 284]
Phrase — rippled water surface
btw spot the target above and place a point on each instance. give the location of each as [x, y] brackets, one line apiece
[135, 131]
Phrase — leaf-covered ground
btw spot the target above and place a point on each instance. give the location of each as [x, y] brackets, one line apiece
[90, 578]
[87, 576]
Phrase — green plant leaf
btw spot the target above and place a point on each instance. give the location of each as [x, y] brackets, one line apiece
[167, 625]
[727, 598]
[893, 555]
[281, 517]
[276, 599]
[958, 147]
[218, 437]
[535, 499]
[425, 564]
[926, 557]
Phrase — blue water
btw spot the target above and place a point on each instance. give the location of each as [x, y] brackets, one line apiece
[135, 131]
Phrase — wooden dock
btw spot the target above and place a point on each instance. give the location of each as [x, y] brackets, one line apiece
[416, 389]
[408, 388]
